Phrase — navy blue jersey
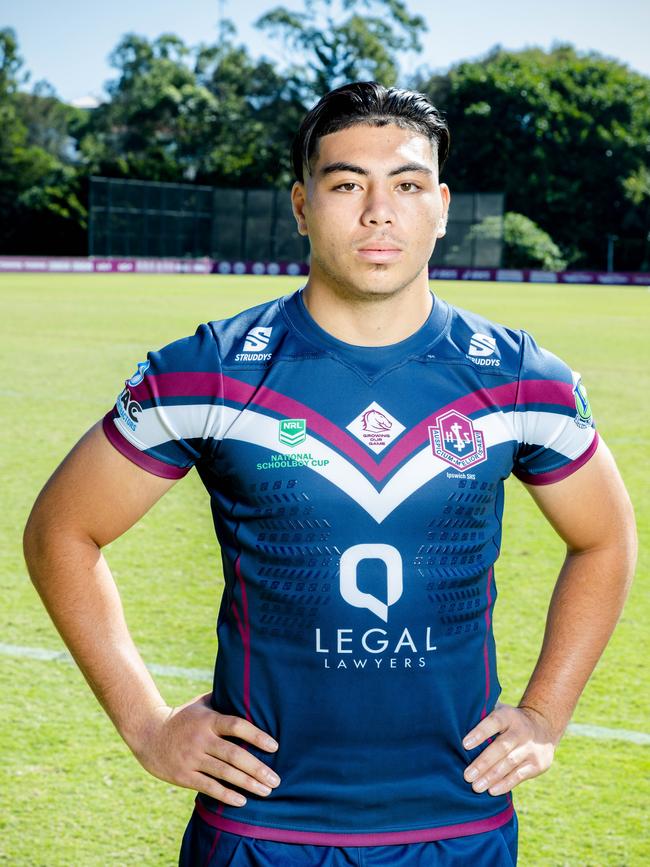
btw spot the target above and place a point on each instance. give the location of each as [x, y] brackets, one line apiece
[357, 496]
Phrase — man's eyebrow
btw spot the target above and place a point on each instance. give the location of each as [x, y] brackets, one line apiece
[340, 166]
[410, 167]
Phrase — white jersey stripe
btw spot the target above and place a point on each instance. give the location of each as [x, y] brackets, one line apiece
[188, 421]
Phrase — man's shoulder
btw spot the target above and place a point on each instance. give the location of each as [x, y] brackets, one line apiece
[486, 345]
[248, 335]
[262, 314]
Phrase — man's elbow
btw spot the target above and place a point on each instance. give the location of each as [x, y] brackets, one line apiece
[36, 543]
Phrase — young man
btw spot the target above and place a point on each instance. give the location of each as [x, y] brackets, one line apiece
[354, 438]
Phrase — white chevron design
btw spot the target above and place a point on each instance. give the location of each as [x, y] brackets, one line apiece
[257, 429]
[157, 425]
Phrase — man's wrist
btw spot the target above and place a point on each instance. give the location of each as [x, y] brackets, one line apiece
[542, 715]
[138, 731]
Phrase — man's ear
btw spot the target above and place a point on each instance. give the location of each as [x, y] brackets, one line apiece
[298, 198]
[442, 222]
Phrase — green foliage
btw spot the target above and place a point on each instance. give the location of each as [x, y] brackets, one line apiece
[40, 206]
[561, 133]
[525, 245]
[565, 135]
[48, 121]
[11, 63]
[345, 41]
[208, 114]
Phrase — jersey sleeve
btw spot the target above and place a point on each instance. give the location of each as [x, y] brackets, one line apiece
[553, 419]
[169, 414]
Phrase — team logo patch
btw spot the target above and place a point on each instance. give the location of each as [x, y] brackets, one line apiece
[138, 376]
[375, 427]
[257, 339]
[129, 409]
[455, 440]
[255, 345]
[583, 407]
[292, 431]
[483, 350]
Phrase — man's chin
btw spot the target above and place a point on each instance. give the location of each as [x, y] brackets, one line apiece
[383, 281]
[372, 282]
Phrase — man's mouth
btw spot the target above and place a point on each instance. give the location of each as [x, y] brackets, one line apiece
[379, 252]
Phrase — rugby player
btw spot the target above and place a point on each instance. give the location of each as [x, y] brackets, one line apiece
[353, 438]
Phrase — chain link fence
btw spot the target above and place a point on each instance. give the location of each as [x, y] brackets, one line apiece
[157, 220]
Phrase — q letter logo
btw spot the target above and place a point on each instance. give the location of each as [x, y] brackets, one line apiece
[350, 560]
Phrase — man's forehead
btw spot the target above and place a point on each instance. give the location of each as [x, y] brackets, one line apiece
[368, 144]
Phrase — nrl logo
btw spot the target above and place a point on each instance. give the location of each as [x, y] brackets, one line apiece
[292, 431]
[455, 440]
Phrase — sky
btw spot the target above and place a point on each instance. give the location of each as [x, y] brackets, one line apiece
[67, 42]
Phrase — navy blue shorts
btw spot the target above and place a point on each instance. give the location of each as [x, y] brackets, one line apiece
[205, 846]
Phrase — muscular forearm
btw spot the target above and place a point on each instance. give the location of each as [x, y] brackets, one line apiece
[94, 497]
[592, 513]
[189, 746]
[585, 606]
[76, 586]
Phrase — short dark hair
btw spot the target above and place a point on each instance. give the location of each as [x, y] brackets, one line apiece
[366, 102]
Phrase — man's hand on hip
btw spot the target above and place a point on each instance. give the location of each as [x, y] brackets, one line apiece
[523, 748]
[187, 746]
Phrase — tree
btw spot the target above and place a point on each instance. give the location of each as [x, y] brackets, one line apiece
[40, 211]
[48, 121]
[209, 114]
[142, 129]
[560, 133]
[336, 42]
[259, 109]
[525, 245]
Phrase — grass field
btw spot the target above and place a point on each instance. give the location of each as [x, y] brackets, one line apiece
[71, 795]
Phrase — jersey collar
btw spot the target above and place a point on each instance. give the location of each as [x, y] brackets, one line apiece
[371, 360]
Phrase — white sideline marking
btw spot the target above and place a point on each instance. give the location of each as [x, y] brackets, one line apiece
[606, 734]
[586, 731]
[64, 656]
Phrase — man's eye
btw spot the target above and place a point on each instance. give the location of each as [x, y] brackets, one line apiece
[347, 187]
[408, 187]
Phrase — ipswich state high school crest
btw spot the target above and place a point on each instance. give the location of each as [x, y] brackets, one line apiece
[455, 440]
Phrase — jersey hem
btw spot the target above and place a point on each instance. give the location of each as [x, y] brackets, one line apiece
[144, 461]
[376, 838]
[562, 472]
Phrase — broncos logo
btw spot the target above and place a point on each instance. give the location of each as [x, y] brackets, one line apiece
[375, 421]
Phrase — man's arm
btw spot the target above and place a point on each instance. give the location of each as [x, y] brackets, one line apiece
[94, 497]
[592, 513]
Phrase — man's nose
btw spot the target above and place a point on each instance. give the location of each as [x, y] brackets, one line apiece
[378, 209]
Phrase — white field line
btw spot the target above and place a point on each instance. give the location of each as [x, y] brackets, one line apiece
[63, 656]
[204, 674]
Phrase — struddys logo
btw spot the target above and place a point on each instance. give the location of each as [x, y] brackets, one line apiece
[483, 350]
[129, 409]
[378, 647]
[375, 427]
[256, 344]
[455, 440]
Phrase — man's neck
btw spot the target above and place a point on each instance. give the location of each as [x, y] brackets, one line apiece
[371, 321]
